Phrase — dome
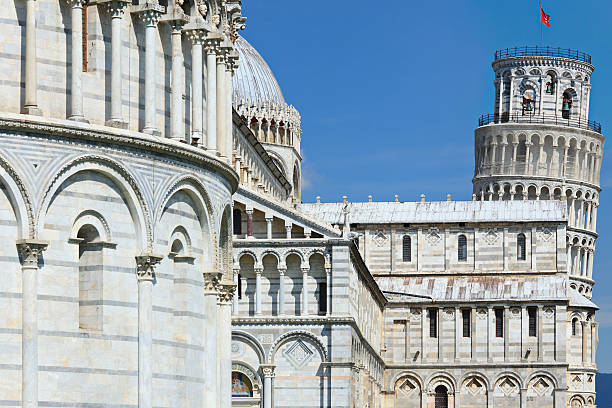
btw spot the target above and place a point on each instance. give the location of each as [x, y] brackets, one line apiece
[254, 81]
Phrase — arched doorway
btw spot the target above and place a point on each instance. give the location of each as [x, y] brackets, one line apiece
[441, 397]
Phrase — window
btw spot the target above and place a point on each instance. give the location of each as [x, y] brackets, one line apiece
[462, 248]
[533, 321]
[90, 278]
[322, 298]
[84, 33]
[566, 105]
[441, 398]
[237, 222]
[241, 385]
[467, 327]
[239, 287]
[521, 253]
[406, 248]
[499, 322]
[433, 323]
[574, 326]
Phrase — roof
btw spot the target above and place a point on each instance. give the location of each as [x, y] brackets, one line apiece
[254, 80]
[578, 300]
[438, 212]
[474, 288]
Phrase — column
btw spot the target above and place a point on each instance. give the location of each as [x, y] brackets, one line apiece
[540, 328]
[282, 269]
[514, 150]
[269, 227]
[527, 161]
[503, 158]
[211, 93]
[76, 85]
[587, 216]
[144, 266]
[423, 333]
[197, 39]
[229, 72]
[563, 170]
[288, 228]
[584, 341]
[490, 332]
[458, 331]
[177, 119]
[30, 252]
[576, 177]
[258, 272]
[150, 18]
[31, 80]
[590, 267]
[226, 294]
[220, 88]
[305, 307]
[506, 333]
[236, 272]
[583, 266]
[211, 359]
[268, 373]
[249, 213]
[594, 217]
[593, 341]
[328, 284]
[116, 10]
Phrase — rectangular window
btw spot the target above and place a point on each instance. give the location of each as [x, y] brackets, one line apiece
[239, 287]
[84, 45]
[533, 321]
[499, 322]
[322, 298]
[467, 327]
[433, 323]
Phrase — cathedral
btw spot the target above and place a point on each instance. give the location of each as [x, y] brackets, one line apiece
[158, 252]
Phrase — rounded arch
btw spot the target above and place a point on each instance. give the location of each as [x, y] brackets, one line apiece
[253, 342]
[246, 369]
[441, 378]
[275, 254]
[94, 218]
[179, 233]
[406, 374]
[224, 253]
[247, 252]
[19, 198]
[123, 180]
[297, 252]
[544, 374]
[475, 374]
[296, 181]
[296, 334]
[279, 162]
[508, 374]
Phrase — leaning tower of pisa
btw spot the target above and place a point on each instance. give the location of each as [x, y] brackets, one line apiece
[540, 144]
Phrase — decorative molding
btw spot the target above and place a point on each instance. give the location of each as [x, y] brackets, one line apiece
[30, 252]
[211, 282]
[226, 292]
[145, 265]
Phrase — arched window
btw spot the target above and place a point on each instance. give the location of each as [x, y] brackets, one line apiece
[462, 248]
[406, 249]
[566, 106]
[529, 98]
[441, 398]
[521, 253]
[574, 326]
[90, 278]
[241, 385]
[237, 219]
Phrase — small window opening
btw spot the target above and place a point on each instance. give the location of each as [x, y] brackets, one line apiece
[239, 287]
[528, 102]
[237, 220]
[462, 248]
[322, 298]
[533, 321]
[499, 322]
[521, 253]
[567, 105]
[467, 327]
[574, 326]
[406, 249]
[433, 323]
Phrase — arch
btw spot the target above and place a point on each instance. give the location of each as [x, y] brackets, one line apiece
[297, 252]
[462, 248]
[191, 186]
[123, 180]
[576, 401]
[401, 375]
[408, 390]
[475, 374]
[441, 378]
[508, 374]
[180, 233]
[246, 252]
[224, 254]
[273, 253]
[250, 372]
[542, 374]
[296, 334]
[252, 341]
[315, 251]
[19, 198]
[521, 247]
[279, 162]
[94, 218]
[296, 181]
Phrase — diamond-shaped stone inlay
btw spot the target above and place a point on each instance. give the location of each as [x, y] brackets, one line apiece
[298, 354]
[380, 239]
[545, 235]
[491, 237]
[508, 387]
[474, 387]
[541, 386]
[408, 388]
[433, 237]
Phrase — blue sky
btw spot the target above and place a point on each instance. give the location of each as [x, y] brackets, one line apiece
[390, 93]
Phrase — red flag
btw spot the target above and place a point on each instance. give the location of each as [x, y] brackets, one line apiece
[545, 18]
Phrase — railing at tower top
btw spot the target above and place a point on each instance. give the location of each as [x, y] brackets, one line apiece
[518, 117]
[542, 52]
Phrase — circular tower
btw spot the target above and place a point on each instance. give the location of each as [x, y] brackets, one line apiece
[540, 144]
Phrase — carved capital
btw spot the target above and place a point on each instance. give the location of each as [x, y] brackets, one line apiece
[196, 36]
[145, 265]
[76, 3]
[30, 251]
[177, 26]
[211, 45]
[226, 292]
[305, 270]
[211, 282]
[259, 270]
[267, 370]
[116, 9]
[282, 270]
[150, 18]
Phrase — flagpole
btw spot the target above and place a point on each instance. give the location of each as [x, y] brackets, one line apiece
[541, 26]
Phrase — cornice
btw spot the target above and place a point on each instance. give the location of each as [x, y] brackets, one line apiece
[535, 127]
[542, 60]
[113, 137]
[508, 177]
